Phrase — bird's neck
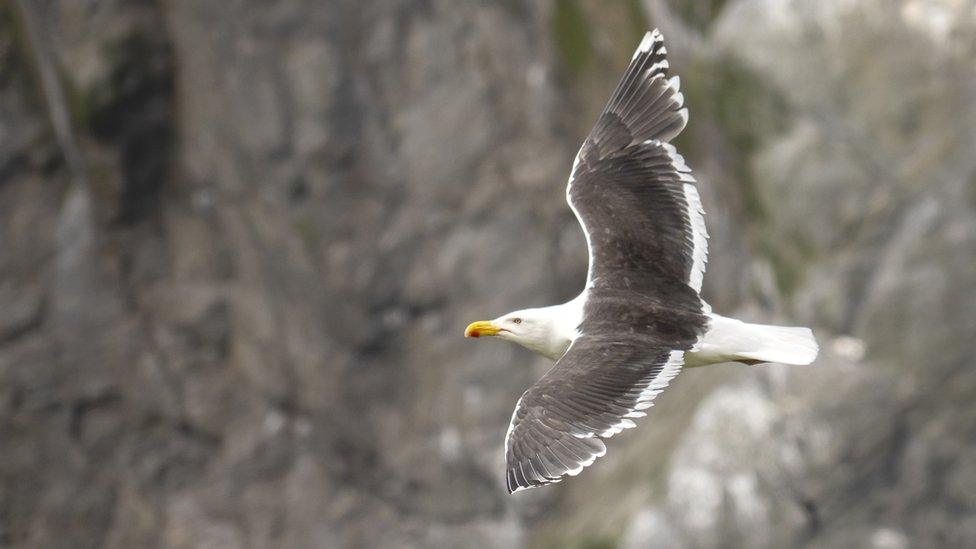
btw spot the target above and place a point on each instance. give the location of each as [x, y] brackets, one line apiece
[562, 322]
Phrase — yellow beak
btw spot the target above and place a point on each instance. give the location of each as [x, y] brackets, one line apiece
[481, 328]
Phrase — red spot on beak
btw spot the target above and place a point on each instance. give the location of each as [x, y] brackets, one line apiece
[480, 328]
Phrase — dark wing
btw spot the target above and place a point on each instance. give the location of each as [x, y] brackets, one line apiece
[633, 193]
[643, 222]
[605, 380]
[637, 204]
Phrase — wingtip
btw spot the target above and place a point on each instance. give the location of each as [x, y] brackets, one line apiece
[513, 486]
[683, 113]
[647, 43]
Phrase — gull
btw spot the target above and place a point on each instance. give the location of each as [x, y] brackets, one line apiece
[640, 317]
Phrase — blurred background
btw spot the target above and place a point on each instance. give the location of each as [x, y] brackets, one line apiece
[239, 242]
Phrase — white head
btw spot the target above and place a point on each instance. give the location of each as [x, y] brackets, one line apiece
[537, 330]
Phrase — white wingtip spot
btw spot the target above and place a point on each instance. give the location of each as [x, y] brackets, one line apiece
[679, 98]
[647, 43]
[658, 68]
[601, 453]
[683, 113]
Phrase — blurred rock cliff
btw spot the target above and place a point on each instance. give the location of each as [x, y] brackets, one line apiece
[239, 242]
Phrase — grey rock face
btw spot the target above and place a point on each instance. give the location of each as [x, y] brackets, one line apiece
[235, 319]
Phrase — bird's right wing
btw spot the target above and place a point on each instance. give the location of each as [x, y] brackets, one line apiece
[632, 192]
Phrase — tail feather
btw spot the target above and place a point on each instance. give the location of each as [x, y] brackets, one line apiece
[730, 340]
[786, 345]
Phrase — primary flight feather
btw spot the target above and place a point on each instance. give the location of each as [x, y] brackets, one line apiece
[640, 318]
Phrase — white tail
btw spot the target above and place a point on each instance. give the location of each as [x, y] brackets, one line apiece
[730, 340]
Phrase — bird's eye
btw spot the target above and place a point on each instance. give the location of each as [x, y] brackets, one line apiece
[517, 320]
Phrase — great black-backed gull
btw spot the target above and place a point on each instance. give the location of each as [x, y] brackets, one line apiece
[640, 317]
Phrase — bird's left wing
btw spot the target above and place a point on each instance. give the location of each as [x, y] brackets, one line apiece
[596, 389]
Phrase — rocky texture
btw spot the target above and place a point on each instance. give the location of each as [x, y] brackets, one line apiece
[234, 273]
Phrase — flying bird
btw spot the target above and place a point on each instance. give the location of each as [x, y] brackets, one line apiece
[640, 318]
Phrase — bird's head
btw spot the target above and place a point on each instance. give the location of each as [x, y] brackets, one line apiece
[510, 326]
[530, 328]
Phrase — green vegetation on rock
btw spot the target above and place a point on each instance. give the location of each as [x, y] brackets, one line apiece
[570, 31]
